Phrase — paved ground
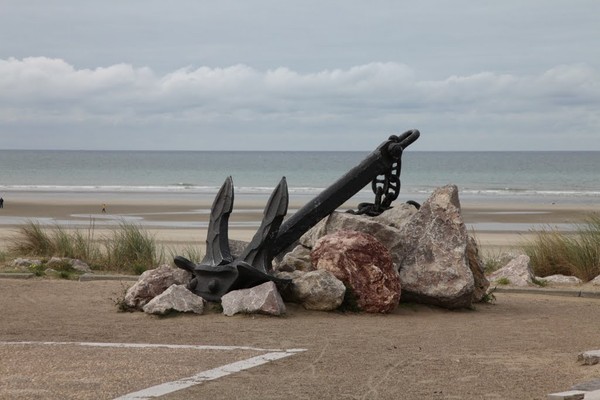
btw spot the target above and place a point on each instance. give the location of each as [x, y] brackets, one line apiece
[523, 347]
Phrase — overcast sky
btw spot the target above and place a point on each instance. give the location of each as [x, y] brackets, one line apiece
[299, 75]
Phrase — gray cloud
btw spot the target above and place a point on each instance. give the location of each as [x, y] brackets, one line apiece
[239, 101]
[303, 74]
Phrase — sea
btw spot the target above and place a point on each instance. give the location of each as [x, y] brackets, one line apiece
[526, 176]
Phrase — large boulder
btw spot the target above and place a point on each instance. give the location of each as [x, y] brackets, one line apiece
[364, 265]
[517, 272]
[317, 290]
[433, 257]
[176, 298]
[261, 299]
[153, 282]
[480, 282]
[384, 227]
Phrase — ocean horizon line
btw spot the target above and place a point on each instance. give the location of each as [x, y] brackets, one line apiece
[291, 151]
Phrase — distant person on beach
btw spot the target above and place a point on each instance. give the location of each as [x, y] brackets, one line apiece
[1, 202]
[103, 208]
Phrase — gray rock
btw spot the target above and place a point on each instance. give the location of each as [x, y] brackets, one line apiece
[153, 282]
[364, 265]
[518, 272]
[25, 262]
[80, 266]
[596, 281]
[55, 262]
[261, 299]
[397, 216]
[236, 247]
[175, 298]
[561, 280]
[591, 357]
[317, 290]
[296, 260]
[588, 386]
[433, 259]
[568, 395]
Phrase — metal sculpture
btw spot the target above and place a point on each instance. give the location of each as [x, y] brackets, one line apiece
[219, 273]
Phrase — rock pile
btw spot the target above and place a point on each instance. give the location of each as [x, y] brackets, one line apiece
[423, 256]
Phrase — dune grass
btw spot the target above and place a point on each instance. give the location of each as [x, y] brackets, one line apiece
[131, 247]
[128, 249]
[577, 254]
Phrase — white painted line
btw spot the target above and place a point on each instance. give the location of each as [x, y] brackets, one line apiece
[170, 387]
[211, 374]
[151, 345]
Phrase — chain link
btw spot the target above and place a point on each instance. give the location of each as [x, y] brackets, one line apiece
[386, 188]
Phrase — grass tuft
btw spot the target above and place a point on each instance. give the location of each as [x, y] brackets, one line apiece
[503, 281]
[129, 249]
[552, 252]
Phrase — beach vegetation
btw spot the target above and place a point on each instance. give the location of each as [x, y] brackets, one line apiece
[493, 263]
[573, 254]
[503, 281]
[127, 249]
[33, 240]
[131, 248]
[37, 269]
[192, 253]
[119, 300]
[489, 297]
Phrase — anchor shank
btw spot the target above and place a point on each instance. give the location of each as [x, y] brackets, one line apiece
[376, 163]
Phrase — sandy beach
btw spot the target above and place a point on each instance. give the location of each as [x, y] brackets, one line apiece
[522, 347]
[180, 219]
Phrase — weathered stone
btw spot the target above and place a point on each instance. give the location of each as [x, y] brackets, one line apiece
[588, 386]
[80, 266]
[591, 357]
[152, 283]
[518, 272]
[480, 282]
[433, 259]
[596, 281]
[25, 262]
[236, 247]
[175, 298]
[262, 299]
[298, 259]
[397, 216]
[57, 262]
[568, 395]
[316, 290]
[561, 280]
[364, 265]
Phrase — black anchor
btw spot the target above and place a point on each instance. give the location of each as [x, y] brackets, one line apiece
[219, 273]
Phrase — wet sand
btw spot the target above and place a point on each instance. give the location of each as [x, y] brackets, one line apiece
[180, 219]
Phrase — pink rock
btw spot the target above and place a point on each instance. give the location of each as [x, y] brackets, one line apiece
[364, 265]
